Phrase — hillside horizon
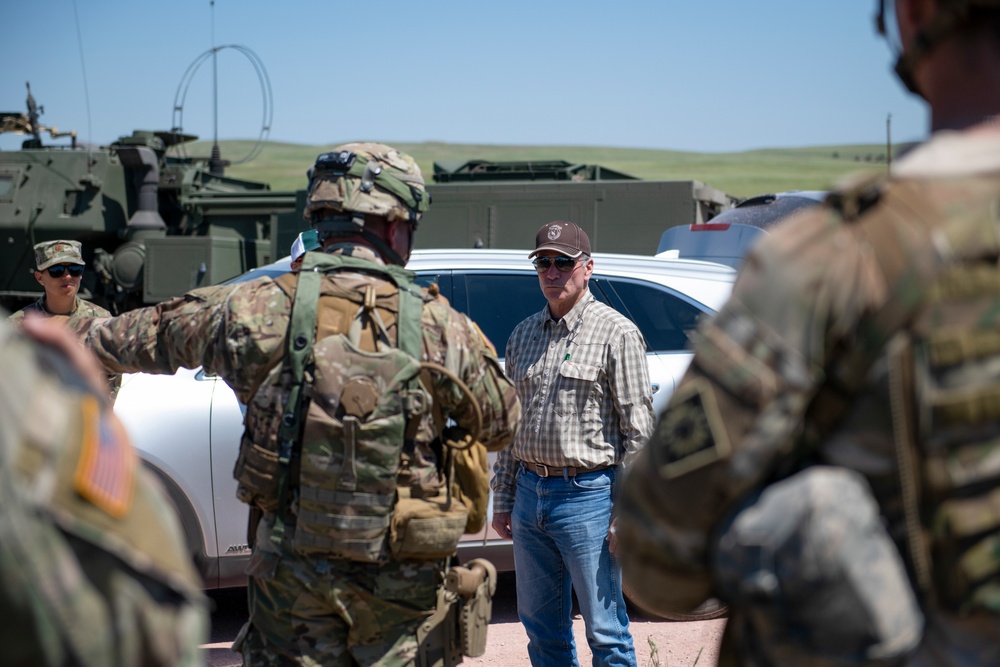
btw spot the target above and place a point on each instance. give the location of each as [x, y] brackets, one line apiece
[283, 165]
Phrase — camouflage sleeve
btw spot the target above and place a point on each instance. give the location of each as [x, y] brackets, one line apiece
[758, 364]
[454, 341]
[92, 564]
[232, 331]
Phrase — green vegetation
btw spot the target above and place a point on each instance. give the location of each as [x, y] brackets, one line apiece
[739, 174]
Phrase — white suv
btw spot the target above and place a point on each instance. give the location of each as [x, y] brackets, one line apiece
[187, 426]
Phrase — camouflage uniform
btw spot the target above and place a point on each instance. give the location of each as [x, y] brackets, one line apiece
[55, 252]
[82, 310]
[307, 609]
[860, 336]
[92, 565]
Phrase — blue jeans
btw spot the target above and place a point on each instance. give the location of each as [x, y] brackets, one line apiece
[560, 527]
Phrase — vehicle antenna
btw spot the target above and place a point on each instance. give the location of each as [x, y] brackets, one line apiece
[86, 90]
[215, 164]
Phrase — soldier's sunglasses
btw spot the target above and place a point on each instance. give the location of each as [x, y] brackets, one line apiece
[57, 271]
[564, 264]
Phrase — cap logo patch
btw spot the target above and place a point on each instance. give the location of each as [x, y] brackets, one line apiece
[554, 232]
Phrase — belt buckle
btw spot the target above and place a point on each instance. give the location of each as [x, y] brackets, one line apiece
[541, 469]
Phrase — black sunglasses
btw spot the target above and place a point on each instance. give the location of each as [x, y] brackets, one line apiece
[57, 271]
[564, 264]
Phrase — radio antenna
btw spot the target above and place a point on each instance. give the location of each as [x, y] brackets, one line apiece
[86, 91]
[215, 163]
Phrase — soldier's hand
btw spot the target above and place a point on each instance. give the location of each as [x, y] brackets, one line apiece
[57, 335]
[501, 524]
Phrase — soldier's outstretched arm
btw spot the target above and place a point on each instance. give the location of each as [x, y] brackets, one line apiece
[232, 331]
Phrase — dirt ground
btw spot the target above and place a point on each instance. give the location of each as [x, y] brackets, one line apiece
[657, 643]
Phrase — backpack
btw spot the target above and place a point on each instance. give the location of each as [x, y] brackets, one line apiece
[345, 404]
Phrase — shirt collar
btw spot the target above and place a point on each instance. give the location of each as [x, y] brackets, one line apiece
[45, 306]
[573, 317]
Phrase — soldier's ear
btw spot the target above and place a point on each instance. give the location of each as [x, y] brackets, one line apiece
[38, 277]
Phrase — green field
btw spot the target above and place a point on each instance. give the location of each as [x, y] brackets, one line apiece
[739, 174]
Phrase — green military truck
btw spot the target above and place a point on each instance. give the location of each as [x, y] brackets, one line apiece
[155, 223]
[502, 205]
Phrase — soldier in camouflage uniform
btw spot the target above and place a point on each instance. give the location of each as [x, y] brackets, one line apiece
[92, 566]
[59, 269]
[319, 591]
[829, 464]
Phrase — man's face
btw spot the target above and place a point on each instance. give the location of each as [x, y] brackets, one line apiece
[65, 286]
[564, 287]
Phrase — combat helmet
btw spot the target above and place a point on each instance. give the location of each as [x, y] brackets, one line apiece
[951, 15]
[364, 178]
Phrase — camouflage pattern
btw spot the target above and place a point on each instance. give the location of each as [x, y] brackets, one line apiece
[82, 311]
[335, 612]
[816, 573]
[238, 332]
[93, 569]
[396, 190]
[49, 253]
[805, 365]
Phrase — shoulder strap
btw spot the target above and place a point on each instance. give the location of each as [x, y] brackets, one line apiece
[299, 341]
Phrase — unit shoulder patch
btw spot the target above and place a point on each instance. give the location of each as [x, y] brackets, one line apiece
[692, 431]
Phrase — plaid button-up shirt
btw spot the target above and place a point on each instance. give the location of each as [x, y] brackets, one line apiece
[584, 390]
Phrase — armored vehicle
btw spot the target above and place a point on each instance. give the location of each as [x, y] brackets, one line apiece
[502, 204]
[153, 224]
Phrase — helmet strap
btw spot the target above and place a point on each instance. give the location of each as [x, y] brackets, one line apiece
[384, 248]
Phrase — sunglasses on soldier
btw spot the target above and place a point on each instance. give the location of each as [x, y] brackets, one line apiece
[564, 264]
[57, 271]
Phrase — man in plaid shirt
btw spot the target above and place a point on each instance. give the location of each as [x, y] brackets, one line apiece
[580, 371]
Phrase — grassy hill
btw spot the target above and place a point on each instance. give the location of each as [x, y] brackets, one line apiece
[739, 174]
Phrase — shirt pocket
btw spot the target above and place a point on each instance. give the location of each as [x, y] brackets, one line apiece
[577, 371]
[578, 384]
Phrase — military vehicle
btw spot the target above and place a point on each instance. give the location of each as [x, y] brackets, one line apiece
[502, 204]
[153, 224]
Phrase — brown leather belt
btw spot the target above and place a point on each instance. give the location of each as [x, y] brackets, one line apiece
[543, 470]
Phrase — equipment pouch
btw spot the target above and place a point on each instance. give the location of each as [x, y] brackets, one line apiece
[473, 478]
[426, 528]
[475, 585]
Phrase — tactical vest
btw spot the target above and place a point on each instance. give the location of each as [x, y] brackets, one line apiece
[328, 425]
[944, 377]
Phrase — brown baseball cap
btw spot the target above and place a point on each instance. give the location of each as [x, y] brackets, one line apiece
[49, 253]
[562, 236]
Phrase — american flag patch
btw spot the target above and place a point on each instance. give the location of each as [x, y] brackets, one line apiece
[105, 473]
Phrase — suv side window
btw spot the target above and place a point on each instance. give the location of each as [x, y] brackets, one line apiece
[442, 278]
[665, 319]
[498, 302]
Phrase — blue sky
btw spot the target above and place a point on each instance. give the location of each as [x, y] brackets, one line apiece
[699, 75]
